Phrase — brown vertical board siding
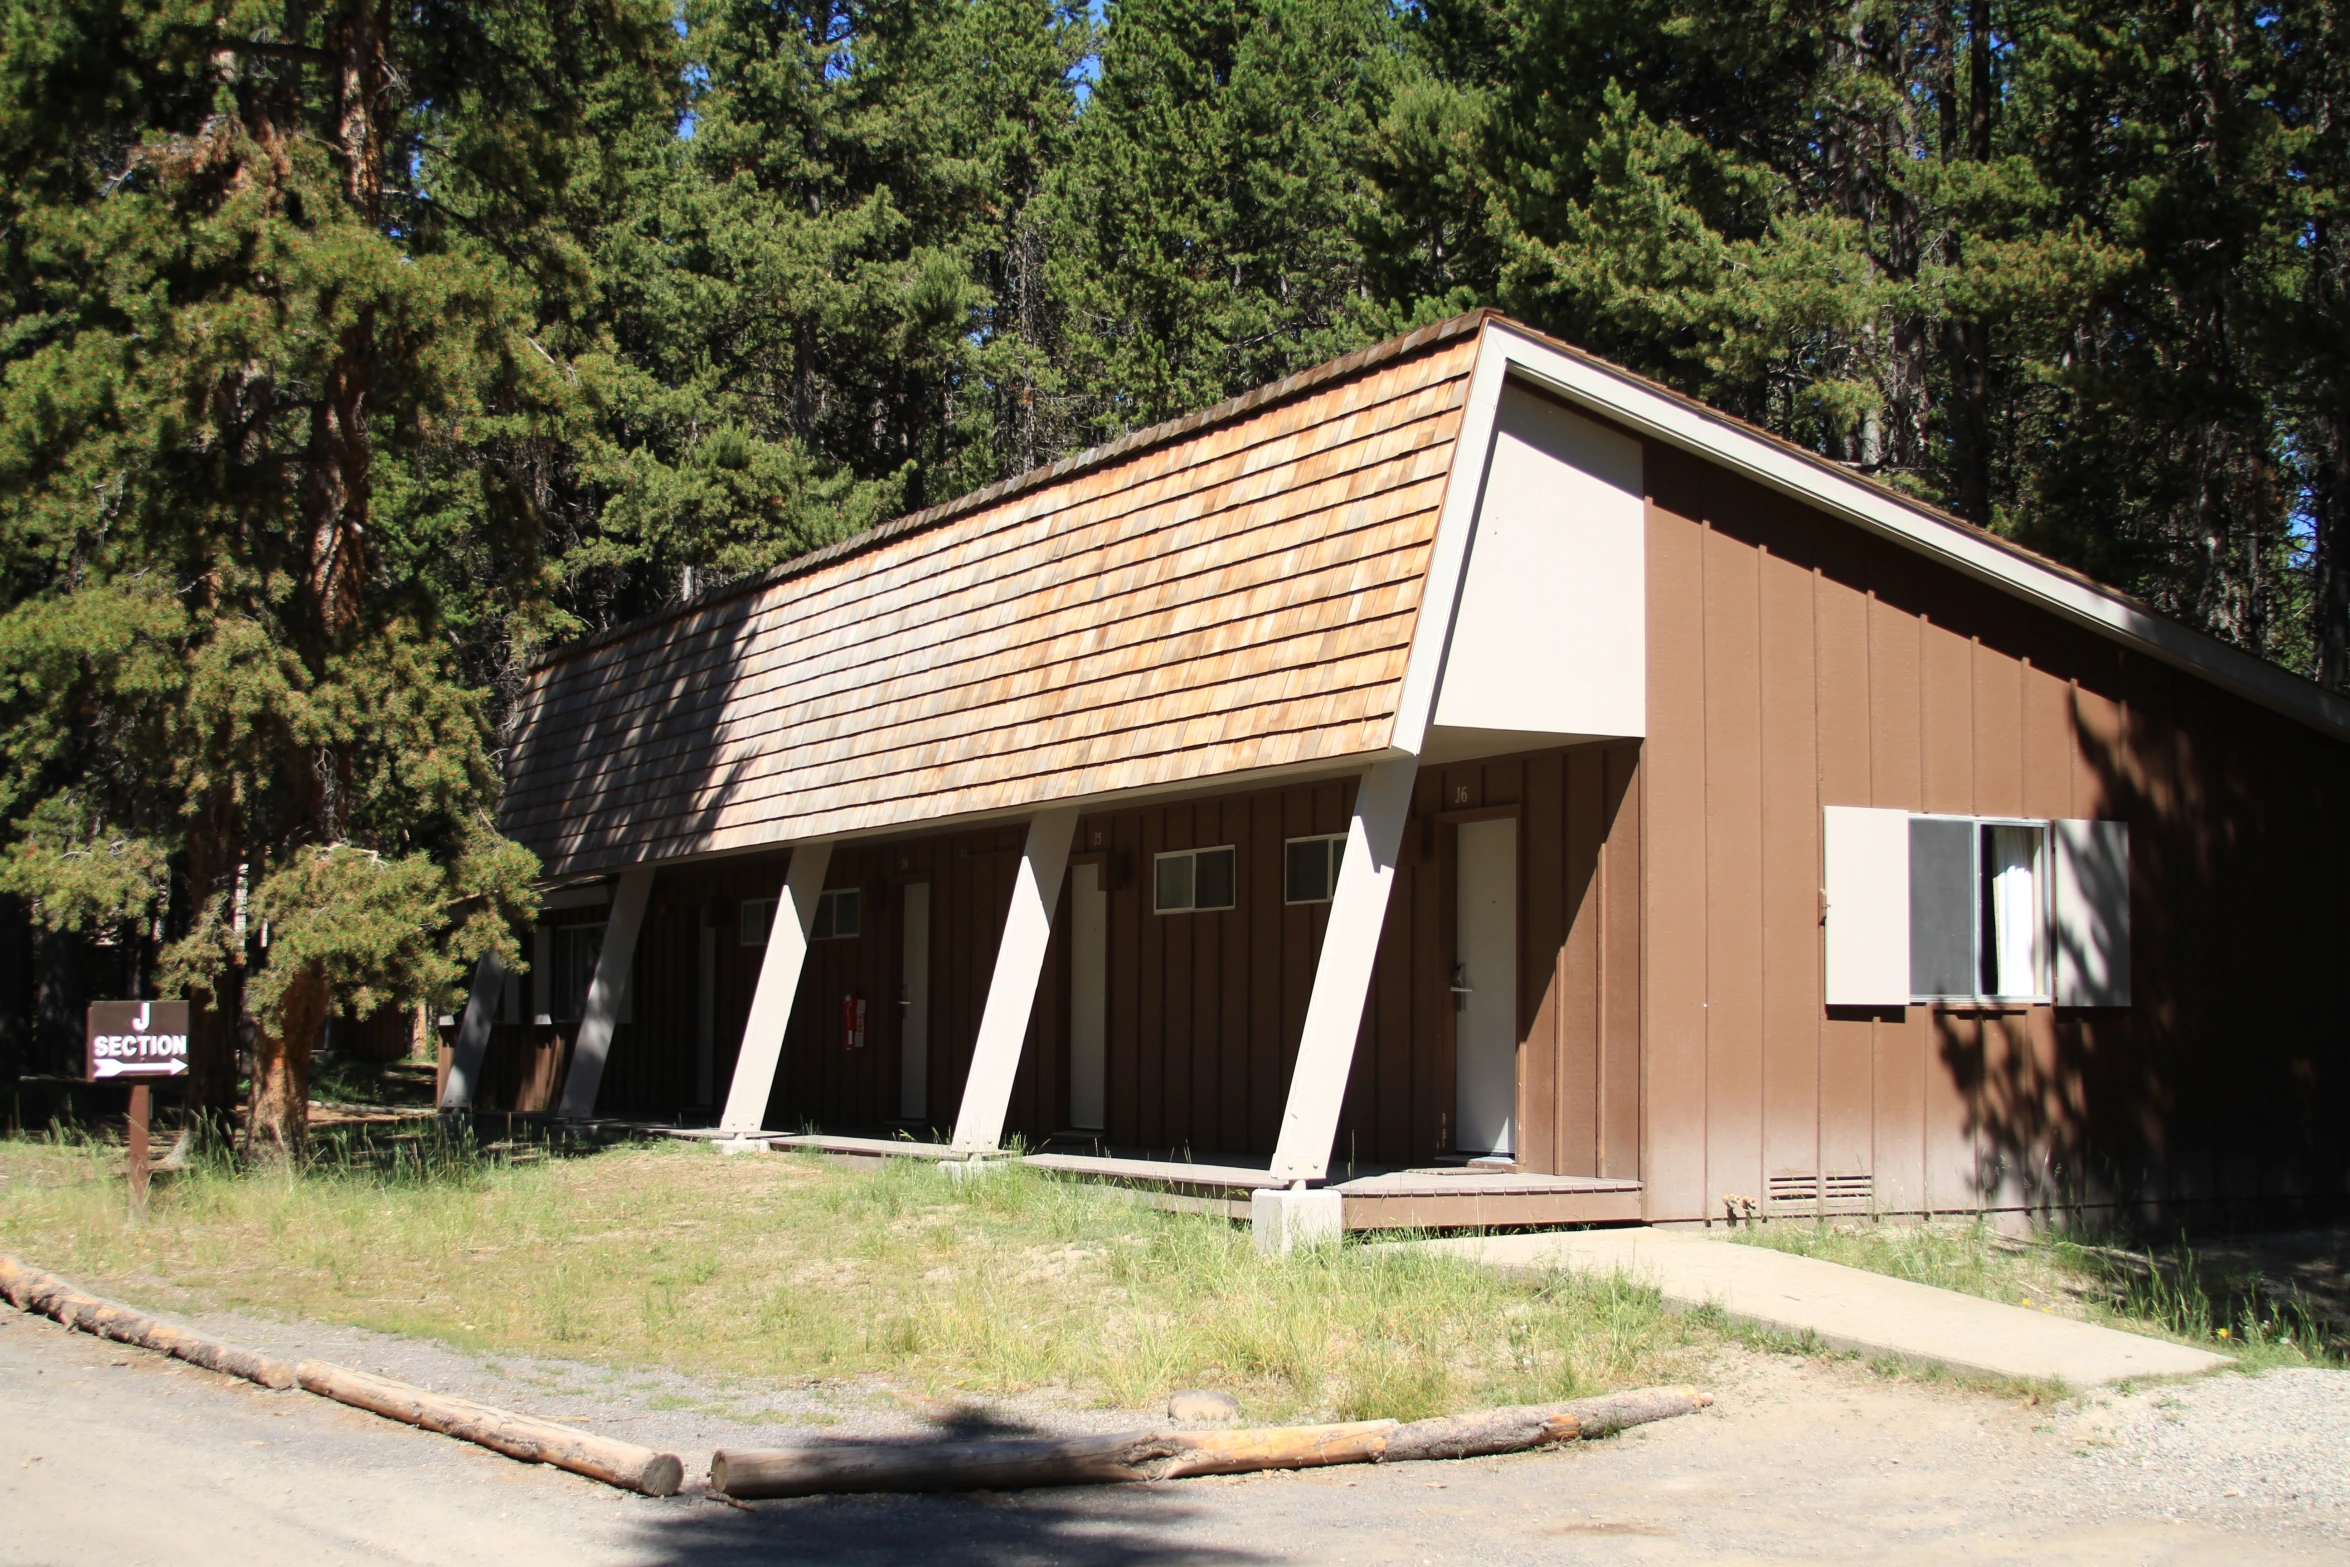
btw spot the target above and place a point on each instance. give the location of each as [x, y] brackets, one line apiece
[1257, 888]
[1542, 1105]
[1674, 1105]
[1897, 762]
[1734, 868]
[1588, 924]
[1999, 679]
[1932, 692]
[1847, 1112]
[1431, 997]
[1951, 757]
[1150, 1035]
[1623, 941]
[1390, 1039]
[1793, 1014]
[1178, 996]
[1122, 1115]
[1266, 1083]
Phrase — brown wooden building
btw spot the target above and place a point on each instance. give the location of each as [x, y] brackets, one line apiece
[1462, 757]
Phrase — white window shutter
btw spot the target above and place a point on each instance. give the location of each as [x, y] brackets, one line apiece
[1866, 886]
[2092, 907]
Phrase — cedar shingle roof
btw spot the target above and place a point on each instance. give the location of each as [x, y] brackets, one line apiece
[1233, 591]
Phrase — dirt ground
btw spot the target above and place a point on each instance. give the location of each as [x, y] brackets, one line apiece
[109, 1454]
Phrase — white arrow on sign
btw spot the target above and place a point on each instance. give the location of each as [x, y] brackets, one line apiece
[176, 1067]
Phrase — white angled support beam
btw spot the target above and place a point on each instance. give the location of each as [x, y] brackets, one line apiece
[613, 965]
[473, 1034]
[779, 984]
[1350, 946]
[1011, 995]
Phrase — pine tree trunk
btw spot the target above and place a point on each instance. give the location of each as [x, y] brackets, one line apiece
[341, 451]
[218, 1008]
[2330, 508]
[282, 1048]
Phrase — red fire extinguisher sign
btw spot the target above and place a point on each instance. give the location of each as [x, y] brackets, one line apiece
[852, 1022]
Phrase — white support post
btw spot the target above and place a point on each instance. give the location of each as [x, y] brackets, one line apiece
[1350, 946]
[779, 983]
[473, 1034]
[613, 965]
[1011, 995]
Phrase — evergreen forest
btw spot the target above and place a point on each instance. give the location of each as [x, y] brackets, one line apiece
[353, 352]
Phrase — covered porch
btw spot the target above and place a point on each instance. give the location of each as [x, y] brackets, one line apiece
[1488, 1074]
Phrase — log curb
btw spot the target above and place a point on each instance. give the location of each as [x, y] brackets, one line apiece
[622, 1464]
[1015, 1463]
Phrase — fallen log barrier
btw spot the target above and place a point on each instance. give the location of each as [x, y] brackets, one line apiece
[616, 1463]
[622, 1464]
[29, 1289]
[1014, 1463]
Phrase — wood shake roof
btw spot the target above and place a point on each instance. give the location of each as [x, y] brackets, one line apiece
[1232, 592]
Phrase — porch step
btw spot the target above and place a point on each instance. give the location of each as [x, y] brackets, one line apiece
[864, 1147]
[1172, 1172]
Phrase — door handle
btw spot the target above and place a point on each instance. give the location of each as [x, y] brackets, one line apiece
[1460, 980]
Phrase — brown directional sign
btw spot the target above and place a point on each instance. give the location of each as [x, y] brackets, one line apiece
[137, 1039]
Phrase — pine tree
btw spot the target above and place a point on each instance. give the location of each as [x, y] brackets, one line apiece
[1218, 197]
[837, 307]
[276, 411]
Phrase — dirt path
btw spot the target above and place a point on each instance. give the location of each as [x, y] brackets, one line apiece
[108, 1454]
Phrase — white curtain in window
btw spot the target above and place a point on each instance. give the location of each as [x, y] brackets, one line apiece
[2013, 865]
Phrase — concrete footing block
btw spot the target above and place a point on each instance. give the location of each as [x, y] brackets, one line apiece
[971, 1169]
[1287, 1219]
[731, 1145]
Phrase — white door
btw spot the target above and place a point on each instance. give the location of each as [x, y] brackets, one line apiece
[1485, 988]
[1089, 997]
[914, 1005]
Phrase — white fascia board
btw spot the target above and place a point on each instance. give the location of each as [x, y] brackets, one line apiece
[1456, 524]
[1718, 439]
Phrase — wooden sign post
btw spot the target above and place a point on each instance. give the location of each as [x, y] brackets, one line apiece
[140, 1040]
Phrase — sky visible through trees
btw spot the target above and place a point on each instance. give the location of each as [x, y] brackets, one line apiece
[354, 351]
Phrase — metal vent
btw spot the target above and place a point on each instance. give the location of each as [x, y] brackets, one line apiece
[1849, 1191]
[1809, 1190]
[1794, 1191]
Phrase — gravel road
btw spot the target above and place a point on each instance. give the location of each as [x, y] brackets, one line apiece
[112, 1455]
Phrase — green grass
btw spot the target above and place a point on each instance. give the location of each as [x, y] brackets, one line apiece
[768, 1268]
[2166, 1291]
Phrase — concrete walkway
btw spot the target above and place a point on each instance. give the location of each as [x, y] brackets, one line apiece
[1845, 1307]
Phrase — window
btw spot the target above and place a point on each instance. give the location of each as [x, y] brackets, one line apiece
[1978, 909]
[1310, 874]
[839, 914]
[758, 920]
[1967, 908]
[1192, 880]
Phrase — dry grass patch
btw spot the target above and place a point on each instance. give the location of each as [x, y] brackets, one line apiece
[770, 1268]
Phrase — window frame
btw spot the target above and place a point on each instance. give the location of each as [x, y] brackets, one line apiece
[829, 902]
[2044, 915]
[767, 926]
[1335, 850]
[1192, 855]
